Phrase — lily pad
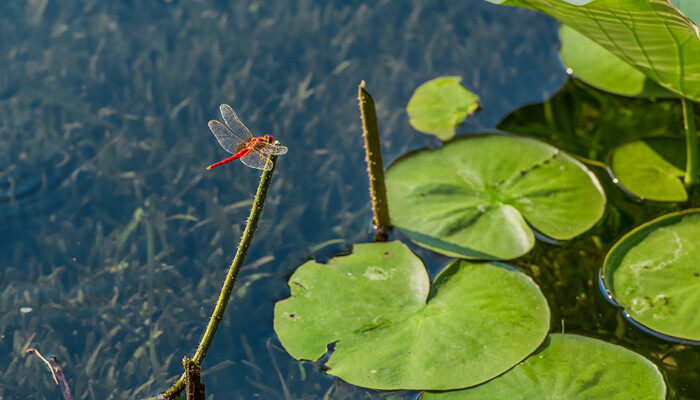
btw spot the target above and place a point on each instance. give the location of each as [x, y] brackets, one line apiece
[651, 168]
[598, 67]
[394, 330]
[571, 367]
[654, 273]
[478, 197]
[438, 106]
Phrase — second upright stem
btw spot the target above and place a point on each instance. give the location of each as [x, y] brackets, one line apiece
[691, 144]
[375, 165]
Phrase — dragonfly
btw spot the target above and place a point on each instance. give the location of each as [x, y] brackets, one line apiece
[235, 138]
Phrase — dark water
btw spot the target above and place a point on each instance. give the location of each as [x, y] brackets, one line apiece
[116, 236]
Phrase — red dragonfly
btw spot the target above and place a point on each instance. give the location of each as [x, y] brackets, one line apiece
[235, 138]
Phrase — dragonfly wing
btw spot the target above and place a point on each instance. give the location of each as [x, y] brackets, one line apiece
[226, 138]
[234, 123]
[274, 149]
[257, 160]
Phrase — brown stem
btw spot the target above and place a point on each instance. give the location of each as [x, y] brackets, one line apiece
[194, 387]
[375, 166]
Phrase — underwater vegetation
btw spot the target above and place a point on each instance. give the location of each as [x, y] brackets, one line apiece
[534, 256]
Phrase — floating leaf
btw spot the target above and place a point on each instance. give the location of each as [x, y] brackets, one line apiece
[474, 197]
[652, 35]
[394, 330]
[600, 68]
[439, 105]
[654, 273]
[571, 367]
[651, 168]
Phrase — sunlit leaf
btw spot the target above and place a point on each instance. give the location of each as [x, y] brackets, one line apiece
[481, 196]
[439, 105]
[651, 35]
[571, 367]
[654, 273]
[394, 329]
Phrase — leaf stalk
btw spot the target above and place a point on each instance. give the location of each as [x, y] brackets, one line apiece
[691, 144]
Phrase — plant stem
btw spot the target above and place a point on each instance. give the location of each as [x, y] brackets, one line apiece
[691, 143]
[193, 380]
[375, 166]
[230, 281]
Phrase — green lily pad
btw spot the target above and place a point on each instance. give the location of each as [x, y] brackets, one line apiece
[654, 273]
[394, 330]
[438, 106]
[571, 367]
[479, 196]
[651, 168]
[598, 67]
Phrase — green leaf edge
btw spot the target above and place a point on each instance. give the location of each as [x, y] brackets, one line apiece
[619, 184]
[604, 271]
[578, 337]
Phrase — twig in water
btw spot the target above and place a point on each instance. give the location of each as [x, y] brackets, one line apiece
[194, 387]
[56, 373]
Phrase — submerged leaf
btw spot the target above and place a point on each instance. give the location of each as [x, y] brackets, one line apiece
[571, 367]
[598, 67]
[651, 168]
[439, 105]
[394, 330]
[478, 197]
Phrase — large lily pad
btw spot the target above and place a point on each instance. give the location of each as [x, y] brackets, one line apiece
[394, 330]
[651, 35]
[571, 367]
[598, 67]
[438, 106]
[478, 197]
[654, 273]
[651, 168]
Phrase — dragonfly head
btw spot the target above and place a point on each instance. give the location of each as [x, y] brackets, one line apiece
[269, 138]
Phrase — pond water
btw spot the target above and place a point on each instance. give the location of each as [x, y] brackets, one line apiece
[115, 235]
